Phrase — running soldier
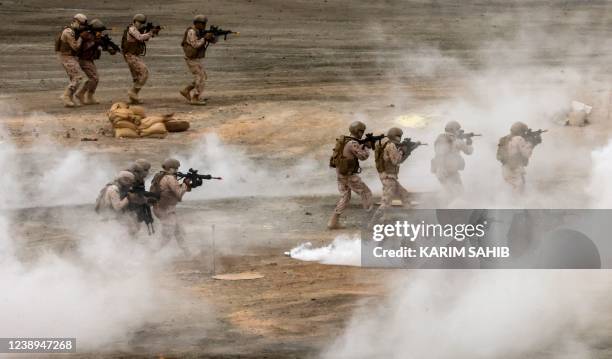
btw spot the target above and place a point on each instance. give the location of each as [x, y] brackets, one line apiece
[166, 184]
[514, 151]
[67, 45]
[448, 161]
[389, 154]
[91, 50]
[345, 159]
[133, 46]
[195, 42]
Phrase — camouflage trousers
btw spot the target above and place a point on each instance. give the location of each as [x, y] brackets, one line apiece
[139, 70]
[391, 189]
[451, 184]
[89, 68]
[196, 67]
[71, 65]
[352, 183]
[171, 228]
[515, 176]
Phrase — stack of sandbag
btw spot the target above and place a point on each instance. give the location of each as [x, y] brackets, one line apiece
[130, 121]
[578, 114]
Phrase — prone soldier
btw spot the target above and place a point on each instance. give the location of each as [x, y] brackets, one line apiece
[345, 159]
[448, 161]
[67, 45]
[91, 49]
[133, 47]
[389, 154]
[514, 151]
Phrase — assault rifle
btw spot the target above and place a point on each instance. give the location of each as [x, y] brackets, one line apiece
[152, 27]
[535, 137]
[108, 44]
[467, 135]
[143, 211]
[194, 178]
[369, 139]
[216, 31]
[407, 146]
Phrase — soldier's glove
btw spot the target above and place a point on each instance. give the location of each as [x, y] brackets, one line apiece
[468, 141]
[187, 183]
[536, 140]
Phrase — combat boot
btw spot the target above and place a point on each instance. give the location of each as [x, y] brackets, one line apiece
[186, 92]
[334, 222]
[197, 101]
[67, 98]
[133, 95]
[90, 99]
[80, 95]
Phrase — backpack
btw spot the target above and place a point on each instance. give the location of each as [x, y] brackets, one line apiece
[502, 151]
[379, 153]
[337, 160]
[155, 188]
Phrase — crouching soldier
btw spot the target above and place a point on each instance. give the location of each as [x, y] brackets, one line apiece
[389, 154]
[170, 191]
[114, 200]
[514, 151]
[345, 159]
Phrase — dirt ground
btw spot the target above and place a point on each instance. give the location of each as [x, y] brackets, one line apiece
[282, 90]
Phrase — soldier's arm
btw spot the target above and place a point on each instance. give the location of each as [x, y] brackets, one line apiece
[192, 39]
[394, 154]
[172, 184]
[464, 147]
[133, 31]
[116, 202]
[359, 151]
[70, 38]
[525, 148]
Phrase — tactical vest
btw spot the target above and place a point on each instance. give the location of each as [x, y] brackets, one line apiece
[62, 46]
[383, 165]
[502, 149]
[345, 166]
[155, 188]
[190, 51]
[138, 48]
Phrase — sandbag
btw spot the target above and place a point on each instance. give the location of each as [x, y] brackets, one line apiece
[125, 124]
[118, 105]
[120, 114]
[138, 111]
[125, 133]
[177, 125]
[156, 129]
[151, 120]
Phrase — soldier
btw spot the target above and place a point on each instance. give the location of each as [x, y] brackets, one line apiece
[514, 151]
[114, 199]
[448, 161]
[195, 42]
[171, 192]
[133, 46]
[67, 44]
[347, 154]
[390, 152]
[91, 50]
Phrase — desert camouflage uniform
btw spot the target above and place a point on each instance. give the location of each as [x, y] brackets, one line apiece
[171, 192]
[447, 162]
[518, 151]
[113, 207]
[68, 59]
[391, 186]
[352, 181]
[195, 65]
[138, 69]
[87, 56]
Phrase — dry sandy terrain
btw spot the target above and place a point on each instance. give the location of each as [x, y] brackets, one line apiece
[281, 91]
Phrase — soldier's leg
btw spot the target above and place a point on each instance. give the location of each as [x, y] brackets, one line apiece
[140, 74]
[85, 95]
[402, 193]
[345, 197]
[359, 187]
[186, 92]
[387, 197]
[199, 76]
[515, 177]
[179, 235]
[71, 65]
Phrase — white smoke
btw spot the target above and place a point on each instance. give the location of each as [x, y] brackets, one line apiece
[599, 187]
[344, 250]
